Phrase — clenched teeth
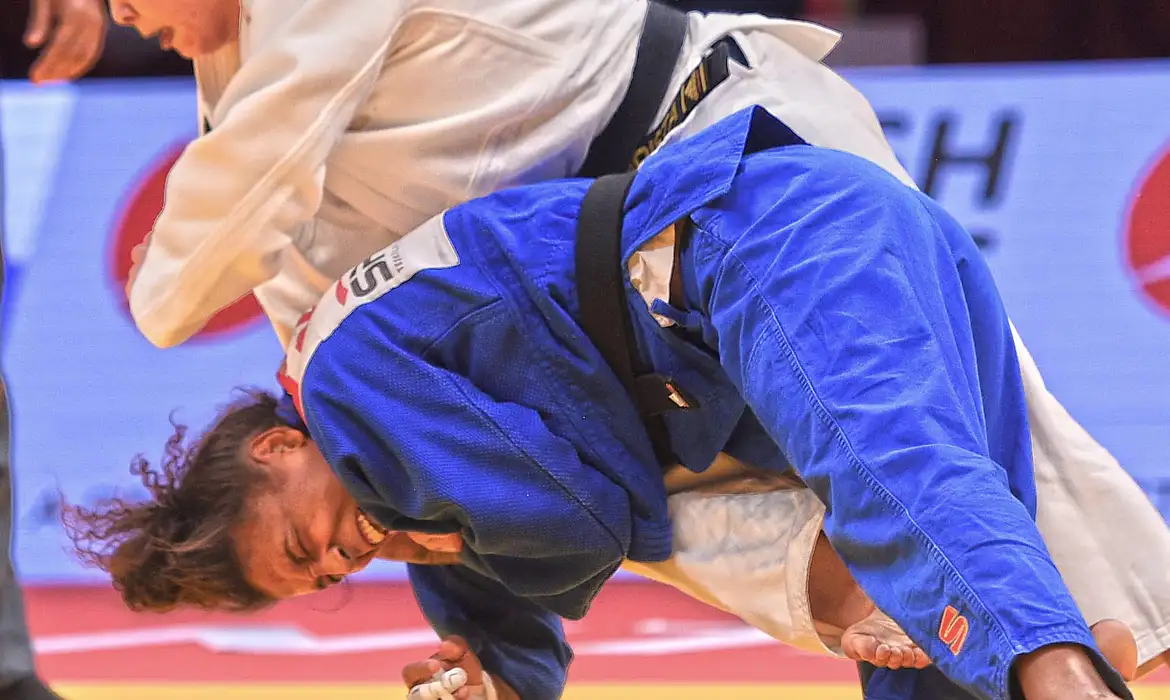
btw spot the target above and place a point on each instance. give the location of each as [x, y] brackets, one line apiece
[372, 534]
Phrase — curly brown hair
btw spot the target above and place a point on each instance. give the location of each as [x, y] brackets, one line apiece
[176, 549]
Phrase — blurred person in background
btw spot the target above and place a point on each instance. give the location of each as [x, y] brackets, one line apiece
[69, 35]
[61, 39]
[50, 41]
[770, 8]
[1037, 30]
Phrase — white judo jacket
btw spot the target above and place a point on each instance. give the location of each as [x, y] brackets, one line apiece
[340, 125]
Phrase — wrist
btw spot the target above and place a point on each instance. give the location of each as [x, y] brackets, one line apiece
[489, 687]
[500, 688]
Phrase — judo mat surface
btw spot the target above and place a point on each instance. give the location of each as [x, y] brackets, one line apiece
[641, 641]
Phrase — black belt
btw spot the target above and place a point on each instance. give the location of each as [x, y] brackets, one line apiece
[631, 134]
[605, 314]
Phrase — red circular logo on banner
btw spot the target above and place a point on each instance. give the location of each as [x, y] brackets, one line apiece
[138, 215]
[1147, 241]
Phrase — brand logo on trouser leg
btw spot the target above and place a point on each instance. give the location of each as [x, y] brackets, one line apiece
[953, 630]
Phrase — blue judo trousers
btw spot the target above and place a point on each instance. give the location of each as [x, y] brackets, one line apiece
[835, 321]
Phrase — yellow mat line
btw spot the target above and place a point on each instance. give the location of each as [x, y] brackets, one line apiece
[581, 691]
[324, 691]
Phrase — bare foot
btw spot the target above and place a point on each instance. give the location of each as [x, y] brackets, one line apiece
[1117, 645]
[879, 640]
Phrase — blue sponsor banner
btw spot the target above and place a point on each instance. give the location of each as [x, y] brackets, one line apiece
[1062, 173]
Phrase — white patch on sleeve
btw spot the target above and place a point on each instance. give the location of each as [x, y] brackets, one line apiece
[428, 247]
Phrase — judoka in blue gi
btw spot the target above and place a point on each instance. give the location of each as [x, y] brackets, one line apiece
[821, 322]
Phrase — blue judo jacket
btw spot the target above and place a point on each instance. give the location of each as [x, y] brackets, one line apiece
[836, 321]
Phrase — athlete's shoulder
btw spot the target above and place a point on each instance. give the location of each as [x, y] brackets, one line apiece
[426, 247]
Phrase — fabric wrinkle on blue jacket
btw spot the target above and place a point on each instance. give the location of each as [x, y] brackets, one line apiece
[838, 322]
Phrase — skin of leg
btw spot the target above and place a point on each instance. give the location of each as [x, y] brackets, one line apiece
[869, 635]
[834, 597]
[1058, 672]
[1153, 665]
[1118, 645]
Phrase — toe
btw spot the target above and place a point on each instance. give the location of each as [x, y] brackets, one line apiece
[921, 660]
[895, 661]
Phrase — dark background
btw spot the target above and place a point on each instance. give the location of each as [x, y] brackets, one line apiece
[956, 31]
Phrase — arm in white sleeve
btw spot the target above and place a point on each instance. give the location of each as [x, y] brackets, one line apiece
[237, 194]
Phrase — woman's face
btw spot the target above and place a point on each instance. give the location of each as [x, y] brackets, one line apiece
[303, 530]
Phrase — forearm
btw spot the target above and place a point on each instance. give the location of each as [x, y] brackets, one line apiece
[518, 644]
[503, 690]
[238, 196]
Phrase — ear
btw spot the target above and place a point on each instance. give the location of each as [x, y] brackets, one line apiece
[265, 446]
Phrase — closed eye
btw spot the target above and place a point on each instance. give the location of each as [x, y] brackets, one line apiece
[300, 560]
[327, 581]
[296, 552]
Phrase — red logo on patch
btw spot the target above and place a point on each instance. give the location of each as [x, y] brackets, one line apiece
[291, 386]
[1147, 240]
[138, 214]
[302, 328]
[953, 630]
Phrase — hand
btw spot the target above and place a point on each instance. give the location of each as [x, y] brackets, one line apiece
[401, 546]
[137, 253]
[453, 652]
[71, 34]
